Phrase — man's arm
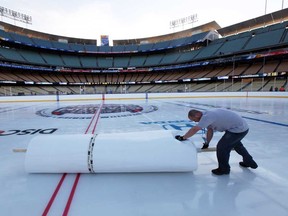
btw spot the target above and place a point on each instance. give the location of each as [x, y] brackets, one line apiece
[191, 132]
[208, 138]
[209, 135]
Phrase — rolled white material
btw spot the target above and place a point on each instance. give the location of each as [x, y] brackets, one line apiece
[57, 154]
[148, 151]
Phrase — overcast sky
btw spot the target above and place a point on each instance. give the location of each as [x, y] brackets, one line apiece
[128, 19]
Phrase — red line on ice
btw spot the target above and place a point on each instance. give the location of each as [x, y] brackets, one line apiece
[54, 195]
[68, 204]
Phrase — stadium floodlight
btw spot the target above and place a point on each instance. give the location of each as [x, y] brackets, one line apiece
[16, 16]
[183, 21]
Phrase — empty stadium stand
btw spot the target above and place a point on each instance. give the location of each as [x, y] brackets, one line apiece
[242, 57]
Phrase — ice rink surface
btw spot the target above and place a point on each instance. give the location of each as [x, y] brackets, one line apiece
[262, 191]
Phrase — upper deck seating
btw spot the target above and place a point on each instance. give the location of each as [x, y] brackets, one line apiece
[121, 62]
[76, 47]
[88, 61]
[5, 35]
[60, 45]
[233, 45]
[53, 59]
[265, 39]
[210, 50]
[42, 43]
[72, 47]
[21, 38]
[11, 54]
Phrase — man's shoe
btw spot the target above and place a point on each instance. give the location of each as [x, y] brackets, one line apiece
[253, 165]
[220, 172]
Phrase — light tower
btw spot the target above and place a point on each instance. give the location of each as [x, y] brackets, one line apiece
[15, 15]
[184, 21]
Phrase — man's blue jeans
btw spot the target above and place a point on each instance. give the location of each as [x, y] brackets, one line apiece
[229, 141]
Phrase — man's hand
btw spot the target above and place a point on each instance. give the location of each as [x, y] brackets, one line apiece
[205, 145]
[180, 138]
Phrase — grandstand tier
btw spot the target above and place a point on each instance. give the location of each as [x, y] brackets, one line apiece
[198, 59]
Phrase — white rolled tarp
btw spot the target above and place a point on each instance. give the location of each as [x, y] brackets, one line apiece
[147, 151]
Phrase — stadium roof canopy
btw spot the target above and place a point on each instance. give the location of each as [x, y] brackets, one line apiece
[261, 21]
[45, 36]
[211, 26]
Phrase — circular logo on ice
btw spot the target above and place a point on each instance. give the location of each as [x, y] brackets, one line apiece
[87, 111]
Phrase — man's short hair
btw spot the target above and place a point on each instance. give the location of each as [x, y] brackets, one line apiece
[193, 112]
